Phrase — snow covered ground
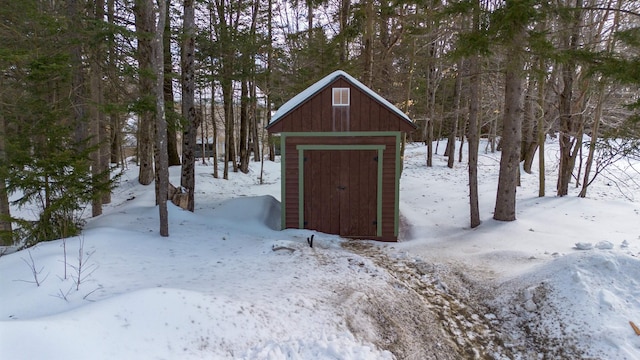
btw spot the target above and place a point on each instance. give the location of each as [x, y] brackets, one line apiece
[563, 281]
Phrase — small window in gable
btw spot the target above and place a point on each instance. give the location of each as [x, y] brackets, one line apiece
[340, 96]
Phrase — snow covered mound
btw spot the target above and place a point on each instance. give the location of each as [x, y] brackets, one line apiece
[171, 323]
[584, 298]
[255, 210]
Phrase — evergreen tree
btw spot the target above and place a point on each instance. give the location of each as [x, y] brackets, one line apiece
[46, 162]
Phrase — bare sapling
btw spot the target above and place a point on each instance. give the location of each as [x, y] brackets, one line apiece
[34, 271]
[83, 269]
[64, 259]
[63, 295]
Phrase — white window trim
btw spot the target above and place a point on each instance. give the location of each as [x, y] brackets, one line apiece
[333, 96]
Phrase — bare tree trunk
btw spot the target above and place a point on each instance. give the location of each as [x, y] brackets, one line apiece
[494, 134]
[233, 148]
[145, 27]
[244, 127]
[529, 138]
[595, 128]
[229, 132]
[440, 123]
[475, 82]
[97, 122]
[78, 82]
[505, 209]
[215, 134]
[96, 119]
[253, 140]
[451, 144]
[565, 170]
[173, 123]
[431, 101]
[227, 63]
[463, 128]
[343, 51]
[115, 124]
[309, 4]
[116, 140]
[162, 157]
[6, 234]
[541, 133]
[214, 123]
[270, 141]
[204, 130]
[189, 135]
[255, 121]
[429, 141]
[104, 125]
[592, 144]
[369, 36]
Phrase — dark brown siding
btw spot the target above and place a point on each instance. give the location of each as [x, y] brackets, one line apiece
[364, 114]
[341, 186]
[338, 197]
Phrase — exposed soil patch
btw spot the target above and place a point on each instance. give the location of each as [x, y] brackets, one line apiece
[431, 312]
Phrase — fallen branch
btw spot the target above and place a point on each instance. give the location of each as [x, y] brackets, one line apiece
[635, 328]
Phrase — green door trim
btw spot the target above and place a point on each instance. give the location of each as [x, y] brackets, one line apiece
[302, 148]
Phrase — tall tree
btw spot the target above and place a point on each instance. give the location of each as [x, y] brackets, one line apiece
[368, 39]
[44, 103]
[162, 155]
[114, 93]
[247, 79]
[228, 22]
[431, 78]
[6, 235]
[473, 135]
[145, 29]
[451, 143]
[529, 134]
[514, 20]
[344, 14]
[243, 140]
[541, 130]
[173, 119]
[600, 97]
[189, 134]
[97, 120]
[568, 123]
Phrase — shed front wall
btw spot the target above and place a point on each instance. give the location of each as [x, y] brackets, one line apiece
[311, 192]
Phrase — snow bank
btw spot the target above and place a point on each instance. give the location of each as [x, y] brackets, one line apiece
[259, 210]
[587, 297]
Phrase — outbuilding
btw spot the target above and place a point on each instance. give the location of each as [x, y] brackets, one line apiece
[340, 152]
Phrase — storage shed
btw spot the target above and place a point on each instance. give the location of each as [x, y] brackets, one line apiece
[340, 151]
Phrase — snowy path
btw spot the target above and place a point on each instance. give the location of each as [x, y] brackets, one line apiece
[458, 324]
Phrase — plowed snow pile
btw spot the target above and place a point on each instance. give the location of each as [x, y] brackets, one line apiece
[576, 302]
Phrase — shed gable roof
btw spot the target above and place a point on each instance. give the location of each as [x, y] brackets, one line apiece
[312, 90]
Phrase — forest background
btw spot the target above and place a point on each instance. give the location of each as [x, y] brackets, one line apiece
[83, 81]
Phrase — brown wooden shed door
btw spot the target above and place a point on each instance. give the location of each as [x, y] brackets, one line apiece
[340, 191]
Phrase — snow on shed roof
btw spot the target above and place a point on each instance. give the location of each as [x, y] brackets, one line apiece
[313, 89]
